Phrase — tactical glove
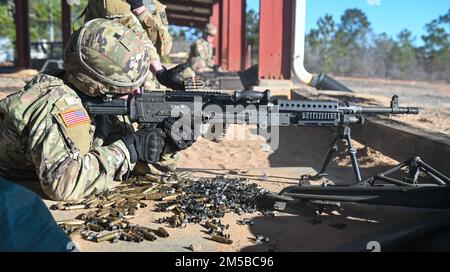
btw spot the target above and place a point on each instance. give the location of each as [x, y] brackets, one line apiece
[183, 132]
[146, 145]
[172, 78]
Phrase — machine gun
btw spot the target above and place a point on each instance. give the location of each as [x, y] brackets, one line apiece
[152, 108]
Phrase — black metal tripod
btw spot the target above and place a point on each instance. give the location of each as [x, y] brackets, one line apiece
[381, 189]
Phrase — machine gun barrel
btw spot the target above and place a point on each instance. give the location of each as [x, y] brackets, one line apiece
[381, 110]
[393, 109]
[386, 110]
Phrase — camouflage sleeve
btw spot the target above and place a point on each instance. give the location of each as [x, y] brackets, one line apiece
[132, 22]
[200, 51]
[67, 174]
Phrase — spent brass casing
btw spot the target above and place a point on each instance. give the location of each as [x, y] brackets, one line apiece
[103, 213]
[106, 237]
[87, 215]
[162, 232]
[115, 222]
[112, 196]
[211, 225]
[131, 237]
[182, 217]
[120, 201]
[154, 196]
[94, 227]
[93, 204]
[170, 197]
[221, 239]
[149, 236]
[172, 207]
[98, 220]
[71, 222]
[148, 190]
[76, 233]
[73, 207]
[106, 204]
[202, 199]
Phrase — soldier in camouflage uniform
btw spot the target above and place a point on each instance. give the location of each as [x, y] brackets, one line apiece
[150, 18]
[47, 134]
[201, 58]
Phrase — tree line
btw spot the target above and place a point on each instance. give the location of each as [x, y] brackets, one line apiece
[45, 19]
[351, 48]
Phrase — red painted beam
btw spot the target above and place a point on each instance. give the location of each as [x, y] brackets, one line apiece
[232, 32]
[23, 59]
[215, 20]
[275, 39]
[185, 22]
[189, 3]
[223, 30]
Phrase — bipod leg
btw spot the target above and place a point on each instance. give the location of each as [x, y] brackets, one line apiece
[331, 151]
[346, 134]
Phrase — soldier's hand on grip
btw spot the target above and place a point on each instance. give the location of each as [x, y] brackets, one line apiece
[172, 78]
[146, 145]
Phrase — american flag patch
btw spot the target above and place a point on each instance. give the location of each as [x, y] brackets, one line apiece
[75, 117]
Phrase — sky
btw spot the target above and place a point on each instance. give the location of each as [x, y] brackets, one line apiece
[389, 16]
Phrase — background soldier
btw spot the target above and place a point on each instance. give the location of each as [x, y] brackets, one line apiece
[47, 134]
[201, 58]
[149, 19]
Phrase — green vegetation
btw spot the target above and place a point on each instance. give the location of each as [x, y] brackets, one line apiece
[45, 19]
[351, 48]
[253, 33]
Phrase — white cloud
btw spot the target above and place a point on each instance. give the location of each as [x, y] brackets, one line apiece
[374, 2]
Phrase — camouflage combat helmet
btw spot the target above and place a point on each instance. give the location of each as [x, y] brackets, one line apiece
[105, 57]
[210, 29]
[155, 22]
